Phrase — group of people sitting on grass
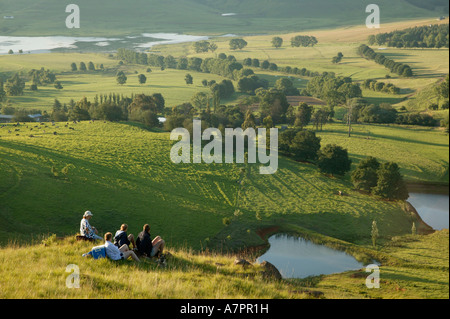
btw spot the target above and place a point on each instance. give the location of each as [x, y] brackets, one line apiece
[120, 249]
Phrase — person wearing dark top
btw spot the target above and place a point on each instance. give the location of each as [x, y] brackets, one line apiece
[147, 246]
[121, 238]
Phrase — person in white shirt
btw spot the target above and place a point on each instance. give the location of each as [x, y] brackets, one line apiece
[115, 253]
[86, 229]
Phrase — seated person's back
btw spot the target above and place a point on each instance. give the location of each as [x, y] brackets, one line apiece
[144, 243]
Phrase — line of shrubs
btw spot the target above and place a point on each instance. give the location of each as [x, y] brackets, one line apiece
[395, 67]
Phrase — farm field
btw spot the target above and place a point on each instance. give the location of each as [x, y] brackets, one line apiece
[429, 65]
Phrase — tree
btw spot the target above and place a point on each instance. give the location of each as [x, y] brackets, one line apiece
[238, 44]
[337, 58]
[287, 87]
[82, 66]
[142, 79]
[273, 103]
[91, 66]
[14, 86]
[304, 41]
[334, 160]
[305, 146]
[160, 102]
[374, 233]
[201, 46]
[73, 66]
[121, 78]
[189, 79]
[58, 85]
[2, 91]
[268, 122]
[303, 116]
[390, 184]
[277, 42]
[249, 121]
[213, 47]
[365, 176]
[200, 100]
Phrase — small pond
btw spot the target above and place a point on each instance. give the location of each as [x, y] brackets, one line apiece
[433, 209]
[299, 258]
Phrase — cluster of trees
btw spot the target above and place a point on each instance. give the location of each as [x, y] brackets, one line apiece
[303, 41]
[378, 86]
[238, 44]
[420, 119]
[380, 114]
[222, 117]
[13, 86]
[113, 107]
[2, 90]
[304, 145]
[395, 67]
[267, 65]
[250, 84]
[82, 67]
[435, 36]
[333, 90]
[384, 113]
[204, 46]
[382, 180]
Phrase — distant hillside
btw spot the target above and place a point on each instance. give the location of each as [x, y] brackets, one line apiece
[104, 17]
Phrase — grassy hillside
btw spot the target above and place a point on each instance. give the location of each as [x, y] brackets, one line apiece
[39, 271]
[421, 152]
[123, 174]
[47, 17]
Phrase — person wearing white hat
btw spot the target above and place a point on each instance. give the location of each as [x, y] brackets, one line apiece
[86, 229]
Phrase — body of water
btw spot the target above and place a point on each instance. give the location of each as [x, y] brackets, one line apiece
[299, 258]
[433, 209]
[60, 43]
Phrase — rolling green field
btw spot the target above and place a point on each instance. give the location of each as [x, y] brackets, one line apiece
[421, 152]
[136, 182]
[51, 174]
[170, 83]
[429, 66]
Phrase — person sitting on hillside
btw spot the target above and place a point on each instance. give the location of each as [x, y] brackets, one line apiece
[121, 238]
[115, 253]
[148, 247]
[86, 230]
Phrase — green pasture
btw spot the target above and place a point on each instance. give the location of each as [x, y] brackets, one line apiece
[421, 152]
[170, 83]
[123, 173]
